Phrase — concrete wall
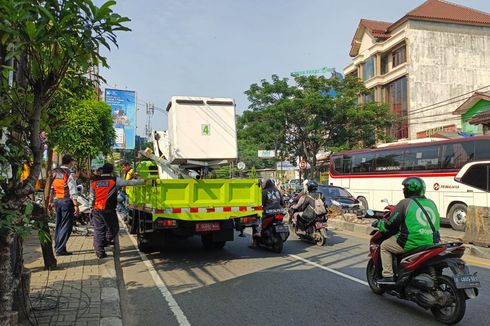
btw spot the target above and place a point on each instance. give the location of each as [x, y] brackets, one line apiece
[445, 60]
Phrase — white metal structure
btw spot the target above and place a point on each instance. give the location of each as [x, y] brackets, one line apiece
[201, 129]
[375, 174]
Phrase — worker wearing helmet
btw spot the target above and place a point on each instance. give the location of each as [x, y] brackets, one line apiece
[409, 222]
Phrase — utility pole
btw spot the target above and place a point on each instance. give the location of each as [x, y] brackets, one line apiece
[150, 111]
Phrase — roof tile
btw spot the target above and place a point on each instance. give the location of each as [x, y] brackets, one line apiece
[447, 11]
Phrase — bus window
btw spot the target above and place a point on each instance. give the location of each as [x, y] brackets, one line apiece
[462, 153]
[363, 162]
[422, 158]
[337, 164]
[389, 160]
[346, 164]
[482, 150]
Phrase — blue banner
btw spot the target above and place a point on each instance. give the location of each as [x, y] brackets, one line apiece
[123, 104]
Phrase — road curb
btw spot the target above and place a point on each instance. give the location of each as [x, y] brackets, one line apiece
[479, 252]
[364, 229]
[110, 297]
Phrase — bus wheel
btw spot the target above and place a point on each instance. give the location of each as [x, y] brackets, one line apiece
[457, 216]
[363, 202]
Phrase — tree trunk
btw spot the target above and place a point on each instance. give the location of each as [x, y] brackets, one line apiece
[6, 279]
[46, 241]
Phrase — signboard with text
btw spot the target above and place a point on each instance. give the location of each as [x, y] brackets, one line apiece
[266, 153]
[123, 108]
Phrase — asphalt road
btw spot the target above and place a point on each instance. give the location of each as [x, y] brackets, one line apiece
[242, 286]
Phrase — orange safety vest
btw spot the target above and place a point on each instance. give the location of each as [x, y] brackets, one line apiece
[60, 183]
[105, 191]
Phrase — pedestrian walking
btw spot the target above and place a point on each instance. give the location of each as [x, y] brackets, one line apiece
[103, 200]
[63, 197]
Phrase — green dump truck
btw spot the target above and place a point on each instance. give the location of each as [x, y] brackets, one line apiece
[212, 209]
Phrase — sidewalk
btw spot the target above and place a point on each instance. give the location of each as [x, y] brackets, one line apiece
[81, 291]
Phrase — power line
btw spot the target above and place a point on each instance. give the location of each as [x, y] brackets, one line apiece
[443, 103]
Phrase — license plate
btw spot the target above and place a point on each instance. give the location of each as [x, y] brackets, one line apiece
[466, 281]
[205, 227]
[282, 229]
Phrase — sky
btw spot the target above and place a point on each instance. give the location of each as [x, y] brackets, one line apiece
[218, 48]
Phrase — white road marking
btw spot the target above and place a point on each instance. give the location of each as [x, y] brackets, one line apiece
[329, 270]
[173, 305]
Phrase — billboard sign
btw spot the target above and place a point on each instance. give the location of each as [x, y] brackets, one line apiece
[123, 106]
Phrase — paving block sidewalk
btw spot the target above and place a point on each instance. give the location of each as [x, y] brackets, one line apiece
[82, 290]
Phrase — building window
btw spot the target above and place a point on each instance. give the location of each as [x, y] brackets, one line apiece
[369, 97]
[395, 94]
[368, 69]
[399, 56]
[385, 61]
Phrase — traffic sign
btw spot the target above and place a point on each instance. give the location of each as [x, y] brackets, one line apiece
[302, 165]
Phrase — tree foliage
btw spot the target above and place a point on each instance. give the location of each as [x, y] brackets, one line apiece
[48, 40]
[310, 115]
[43, 45]
[87, 130]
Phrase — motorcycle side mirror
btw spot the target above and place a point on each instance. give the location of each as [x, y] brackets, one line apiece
[370, 213]
[385, 201]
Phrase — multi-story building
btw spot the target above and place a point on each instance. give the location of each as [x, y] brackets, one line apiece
[424, 65]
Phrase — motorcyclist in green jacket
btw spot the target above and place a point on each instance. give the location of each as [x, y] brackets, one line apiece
[409, 224]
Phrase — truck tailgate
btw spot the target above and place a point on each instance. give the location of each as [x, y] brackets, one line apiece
[195, 200]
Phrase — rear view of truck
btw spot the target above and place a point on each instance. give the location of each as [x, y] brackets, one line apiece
[180, 199]
[164, 209]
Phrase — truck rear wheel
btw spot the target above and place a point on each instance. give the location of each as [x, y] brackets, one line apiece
[144, 244]
[133, 223]
[209, 244]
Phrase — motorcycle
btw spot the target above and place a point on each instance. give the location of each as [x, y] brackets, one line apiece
[273, 233]
[122, 209]
[387, 210]
[83, 205]
[419, 276]
[314, 232]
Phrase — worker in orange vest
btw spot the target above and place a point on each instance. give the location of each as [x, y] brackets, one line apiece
[103, 200]
[64, 197]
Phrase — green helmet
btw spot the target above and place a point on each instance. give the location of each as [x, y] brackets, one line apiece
[413, 186]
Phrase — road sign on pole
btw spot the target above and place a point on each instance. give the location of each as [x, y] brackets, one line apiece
[302, 165]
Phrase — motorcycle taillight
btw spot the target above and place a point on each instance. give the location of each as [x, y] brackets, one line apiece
[279, 217]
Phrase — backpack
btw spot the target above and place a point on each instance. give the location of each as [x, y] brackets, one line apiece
[319, 207]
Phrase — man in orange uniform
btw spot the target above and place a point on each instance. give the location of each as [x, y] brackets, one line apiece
[103, 200]
[64, 195]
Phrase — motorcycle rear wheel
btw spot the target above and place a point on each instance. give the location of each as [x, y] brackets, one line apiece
[372, 278]
[277, 244]
[455, 312]
[320, 238]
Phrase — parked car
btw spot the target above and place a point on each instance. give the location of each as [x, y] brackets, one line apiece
[340, 197]
[296, 184]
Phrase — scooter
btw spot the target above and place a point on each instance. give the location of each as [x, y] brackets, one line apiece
[314, 232]
[83, 205]
[419, 277]
[273, 233]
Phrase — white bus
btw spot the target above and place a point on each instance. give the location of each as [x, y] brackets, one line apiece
[375, 174]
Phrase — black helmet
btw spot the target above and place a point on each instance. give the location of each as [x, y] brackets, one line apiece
[312, 186]
[413, 186]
